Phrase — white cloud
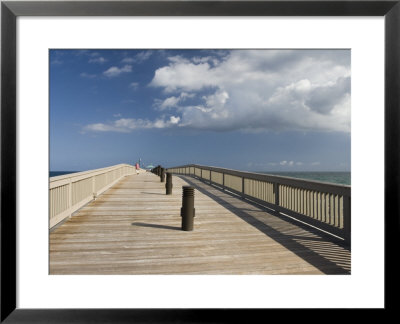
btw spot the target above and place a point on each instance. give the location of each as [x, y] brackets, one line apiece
[138, 58]
[182, 75]
[283, 163]
[169, 102]
[178, 59]
[262, 90]
[127, 125]
[143, 56]
[172, 102]
[115, 71]
[174, 120]
[99, 127]
[99, 60]
[204, 59]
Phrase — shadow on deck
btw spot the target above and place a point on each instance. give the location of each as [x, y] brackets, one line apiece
[325, 252]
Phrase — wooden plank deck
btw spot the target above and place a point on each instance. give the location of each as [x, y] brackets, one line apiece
[134, 228]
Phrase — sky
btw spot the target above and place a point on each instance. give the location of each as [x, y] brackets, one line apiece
[255, 110]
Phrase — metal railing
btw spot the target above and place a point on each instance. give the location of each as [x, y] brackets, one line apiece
[68, 193]
[323, 205]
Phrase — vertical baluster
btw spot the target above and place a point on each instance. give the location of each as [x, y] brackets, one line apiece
[302, 200]
[336, 210]
[329, 208]
[291, 198]
[314, 194]
[320, 206]
[308, 202]
[293, 192]
[287, 196]
[347, 218]
[323, 206]
[326, 196]
[298, 205]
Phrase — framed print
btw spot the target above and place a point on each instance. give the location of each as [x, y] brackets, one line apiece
[101, 31]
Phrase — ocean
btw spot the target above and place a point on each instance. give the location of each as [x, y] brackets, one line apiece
[343, 178]
[58, 173]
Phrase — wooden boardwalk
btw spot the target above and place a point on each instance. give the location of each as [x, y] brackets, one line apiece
[134, 228]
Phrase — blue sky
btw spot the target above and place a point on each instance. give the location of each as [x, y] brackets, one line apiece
[256, 110]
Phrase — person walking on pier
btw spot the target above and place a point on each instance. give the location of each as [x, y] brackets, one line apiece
[137, 168]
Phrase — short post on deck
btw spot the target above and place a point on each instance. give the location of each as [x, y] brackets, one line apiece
[168, 184]
[162, 174]
[187, 210]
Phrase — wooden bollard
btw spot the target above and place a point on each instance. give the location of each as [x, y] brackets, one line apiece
[162, 175]
[187, 210]
[168, 184]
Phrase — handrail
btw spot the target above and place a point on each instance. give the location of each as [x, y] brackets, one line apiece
[323, 205]
[69, 192]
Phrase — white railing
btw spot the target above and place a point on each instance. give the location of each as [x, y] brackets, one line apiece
[323, 205]
[69, 192]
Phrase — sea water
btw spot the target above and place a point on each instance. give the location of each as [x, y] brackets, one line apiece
[343, 178]
[58, 173]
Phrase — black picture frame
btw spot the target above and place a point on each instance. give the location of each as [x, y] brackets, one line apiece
[10, 10]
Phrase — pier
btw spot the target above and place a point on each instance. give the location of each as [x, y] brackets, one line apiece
[128, 225]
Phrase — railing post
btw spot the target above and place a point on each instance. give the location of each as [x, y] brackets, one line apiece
[276, 192]
[347, 218]
[70, 198]
[162, 174]
[223, 181]
[242, 187]
[94, 186]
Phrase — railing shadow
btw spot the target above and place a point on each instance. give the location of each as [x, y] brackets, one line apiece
[323, 251]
